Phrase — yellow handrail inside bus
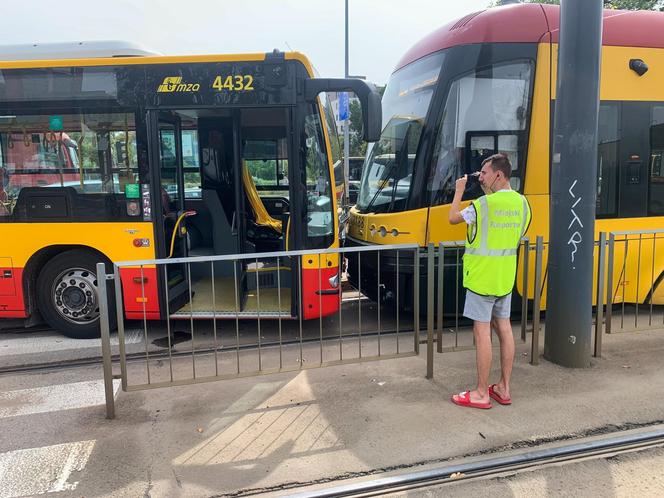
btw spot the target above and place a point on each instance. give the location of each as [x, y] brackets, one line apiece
[175, 230]
[261, 214]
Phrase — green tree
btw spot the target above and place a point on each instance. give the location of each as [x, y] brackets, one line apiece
[608, 4]
[357, 145]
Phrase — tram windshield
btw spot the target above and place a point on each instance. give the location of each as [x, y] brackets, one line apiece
[389, 166]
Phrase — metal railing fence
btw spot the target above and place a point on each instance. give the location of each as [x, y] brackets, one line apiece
[367, 326]
[276, 339]
[635, 270]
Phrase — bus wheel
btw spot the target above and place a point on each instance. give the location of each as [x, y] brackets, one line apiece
[68, 296]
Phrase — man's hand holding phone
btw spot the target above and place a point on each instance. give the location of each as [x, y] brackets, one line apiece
[460, 185]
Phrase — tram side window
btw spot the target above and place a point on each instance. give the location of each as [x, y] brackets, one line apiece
[486, 112]
[656, 187]
[608, 142]
[91, 153]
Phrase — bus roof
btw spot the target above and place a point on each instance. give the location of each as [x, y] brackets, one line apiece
[72, 50]
[113, 53]
[528, 23]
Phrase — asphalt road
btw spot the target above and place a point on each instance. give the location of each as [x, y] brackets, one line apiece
[358, 320]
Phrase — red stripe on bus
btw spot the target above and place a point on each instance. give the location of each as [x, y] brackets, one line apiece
[315, 304]
[12, 303]
[140, 298]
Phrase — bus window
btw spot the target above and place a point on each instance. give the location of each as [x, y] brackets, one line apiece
[656, 194]
[335, 147]
[191, 164]
[318, 214]
[267, 160]
[485, 112]
[168, 174]
[91, 153]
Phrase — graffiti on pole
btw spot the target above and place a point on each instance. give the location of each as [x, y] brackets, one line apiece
[576, 237]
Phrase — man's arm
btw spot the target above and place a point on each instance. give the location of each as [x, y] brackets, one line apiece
[455, 211]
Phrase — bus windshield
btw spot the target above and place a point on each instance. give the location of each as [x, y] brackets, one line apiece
[388, 169]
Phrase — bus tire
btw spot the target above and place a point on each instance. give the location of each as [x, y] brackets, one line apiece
[68, 296]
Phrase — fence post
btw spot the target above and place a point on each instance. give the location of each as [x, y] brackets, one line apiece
[102, 279]
[430, 312]
[534, 351]
[524, 292]
[416, 301]
[599, 316]
[609, 283]
[441, 275]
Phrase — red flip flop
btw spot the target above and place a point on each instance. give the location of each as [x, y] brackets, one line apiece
[494, 395]
[463, 399]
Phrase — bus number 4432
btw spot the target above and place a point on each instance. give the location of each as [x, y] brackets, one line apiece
[234, 83]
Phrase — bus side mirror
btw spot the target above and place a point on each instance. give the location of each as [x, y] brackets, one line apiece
[372, 114]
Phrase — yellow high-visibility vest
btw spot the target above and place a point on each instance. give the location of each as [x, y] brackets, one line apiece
[489, 263]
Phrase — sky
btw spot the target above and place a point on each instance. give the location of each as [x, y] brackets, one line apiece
[380, 31]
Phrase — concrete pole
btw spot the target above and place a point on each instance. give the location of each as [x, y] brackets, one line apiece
[574, 185]
[347, 123]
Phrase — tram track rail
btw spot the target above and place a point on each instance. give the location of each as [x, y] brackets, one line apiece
[487, 468]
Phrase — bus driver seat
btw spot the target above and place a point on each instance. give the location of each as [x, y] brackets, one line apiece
[264, 228]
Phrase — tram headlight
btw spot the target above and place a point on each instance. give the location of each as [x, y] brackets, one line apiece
[334, 280]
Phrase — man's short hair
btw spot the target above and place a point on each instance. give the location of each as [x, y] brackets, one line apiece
[499, 162]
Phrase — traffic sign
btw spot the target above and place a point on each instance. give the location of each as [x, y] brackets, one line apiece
[344, 113]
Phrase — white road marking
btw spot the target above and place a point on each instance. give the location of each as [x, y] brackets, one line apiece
[34, 471]
[44, 342]
[53, 398]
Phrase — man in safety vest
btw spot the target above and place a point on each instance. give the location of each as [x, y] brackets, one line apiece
[496, 222]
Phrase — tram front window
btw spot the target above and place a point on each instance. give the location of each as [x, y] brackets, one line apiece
[387, 174]
[486, 111]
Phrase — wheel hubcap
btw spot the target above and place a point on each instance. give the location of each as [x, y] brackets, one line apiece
[75, 295]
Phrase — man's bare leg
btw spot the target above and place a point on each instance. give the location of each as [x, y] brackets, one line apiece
[482, 332]
[503, 328]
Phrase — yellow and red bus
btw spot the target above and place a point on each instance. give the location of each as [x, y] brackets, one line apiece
[102, 156]
[486, 83]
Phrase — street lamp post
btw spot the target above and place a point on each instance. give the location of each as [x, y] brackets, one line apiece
[347, 123]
